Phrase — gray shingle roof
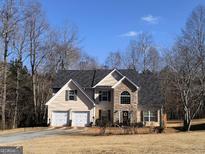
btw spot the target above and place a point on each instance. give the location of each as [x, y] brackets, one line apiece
[150, 93]
[150, 96]
[89, 78]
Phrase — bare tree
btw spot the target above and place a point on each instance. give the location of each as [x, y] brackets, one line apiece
[153, 59]
[8, 21]
[86, 62]
[144, 44]
[36, 27]
[114, 60]
[64, 52]
[19, 49]
[187, 62]
[132, 56]
[136, 56]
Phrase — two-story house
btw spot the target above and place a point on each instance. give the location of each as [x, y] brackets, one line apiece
[82, 97]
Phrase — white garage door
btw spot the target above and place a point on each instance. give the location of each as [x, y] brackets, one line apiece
[59, 118]
[80, 118]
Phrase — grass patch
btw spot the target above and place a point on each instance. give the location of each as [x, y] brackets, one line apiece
[19, 130]
[191, 142]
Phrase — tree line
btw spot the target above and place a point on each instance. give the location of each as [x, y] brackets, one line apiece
[32, 51]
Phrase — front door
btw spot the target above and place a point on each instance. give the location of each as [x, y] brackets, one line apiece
[125, 118]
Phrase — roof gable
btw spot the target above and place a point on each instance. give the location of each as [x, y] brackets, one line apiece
[64, 87]
[89, 78]
[127, 79]
[150, 94]
[110, 79]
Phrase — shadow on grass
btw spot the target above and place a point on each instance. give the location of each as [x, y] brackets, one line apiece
[193, 128]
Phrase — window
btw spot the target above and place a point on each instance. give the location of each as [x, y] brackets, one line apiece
[125, 97]
[150, 116]
[153, 116]
[104, 95]
[71, 94]
[146, 116]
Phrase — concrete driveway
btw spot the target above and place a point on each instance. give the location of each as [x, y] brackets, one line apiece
[7, 138]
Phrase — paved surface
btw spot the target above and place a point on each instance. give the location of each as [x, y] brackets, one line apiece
[36, 134]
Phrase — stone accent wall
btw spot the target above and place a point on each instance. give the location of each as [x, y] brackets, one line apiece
[119, 108]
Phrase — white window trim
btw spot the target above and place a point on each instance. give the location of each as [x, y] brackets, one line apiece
[74, 95]
[125, 103]
[104, 96]
[149, 117]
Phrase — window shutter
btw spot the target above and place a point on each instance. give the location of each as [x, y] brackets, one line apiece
[109, 96]
[100, 95]
[66, 95]
[75, 94]
[109, 115]
[100, 114]
[156, 116]
[142, 116]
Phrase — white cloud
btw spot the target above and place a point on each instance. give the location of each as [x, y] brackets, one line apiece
[150, 19]
[129, 34]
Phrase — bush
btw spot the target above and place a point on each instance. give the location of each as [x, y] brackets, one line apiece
[159, 130]
[103, 123]
[137, 124]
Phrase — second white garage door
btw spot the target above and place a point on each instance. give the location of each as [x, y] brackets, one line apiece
[80, 118]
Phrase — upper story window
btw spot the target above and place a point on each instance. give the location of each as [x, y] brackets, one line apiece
[71, 95]
[125, 97]
[104, 95]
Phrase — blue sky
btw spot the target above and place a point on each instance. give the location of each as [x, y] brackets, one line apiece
[109, 25]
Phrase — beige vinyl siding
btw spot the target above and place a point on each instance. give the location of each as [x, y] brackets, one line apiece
[81, 104]
[110, 79]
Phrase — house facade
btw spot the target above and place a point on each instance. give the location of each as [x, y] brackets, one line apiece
[93, 97]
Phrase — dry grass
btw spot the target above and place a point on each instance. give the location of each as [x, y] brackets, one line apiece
[18, 130]
[179, 123]
[192, 142]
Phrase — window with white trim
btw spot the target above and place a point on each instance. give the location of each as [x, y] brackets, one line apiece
[150, 115]
[125, 97]
[71, 95]
[104, 95]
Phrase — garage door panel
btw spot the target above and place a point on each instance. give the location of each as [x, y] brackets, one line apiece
[59, 118]
[80, 118]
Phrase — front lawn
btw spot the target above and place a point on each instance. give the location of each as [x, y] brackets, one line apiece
[192, 142]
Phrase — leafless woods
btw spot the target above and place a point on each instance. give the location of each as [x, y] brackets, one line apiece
[32, 51]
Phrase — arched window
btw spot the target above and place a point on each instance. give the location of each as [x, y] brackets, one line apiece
[125, 97]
